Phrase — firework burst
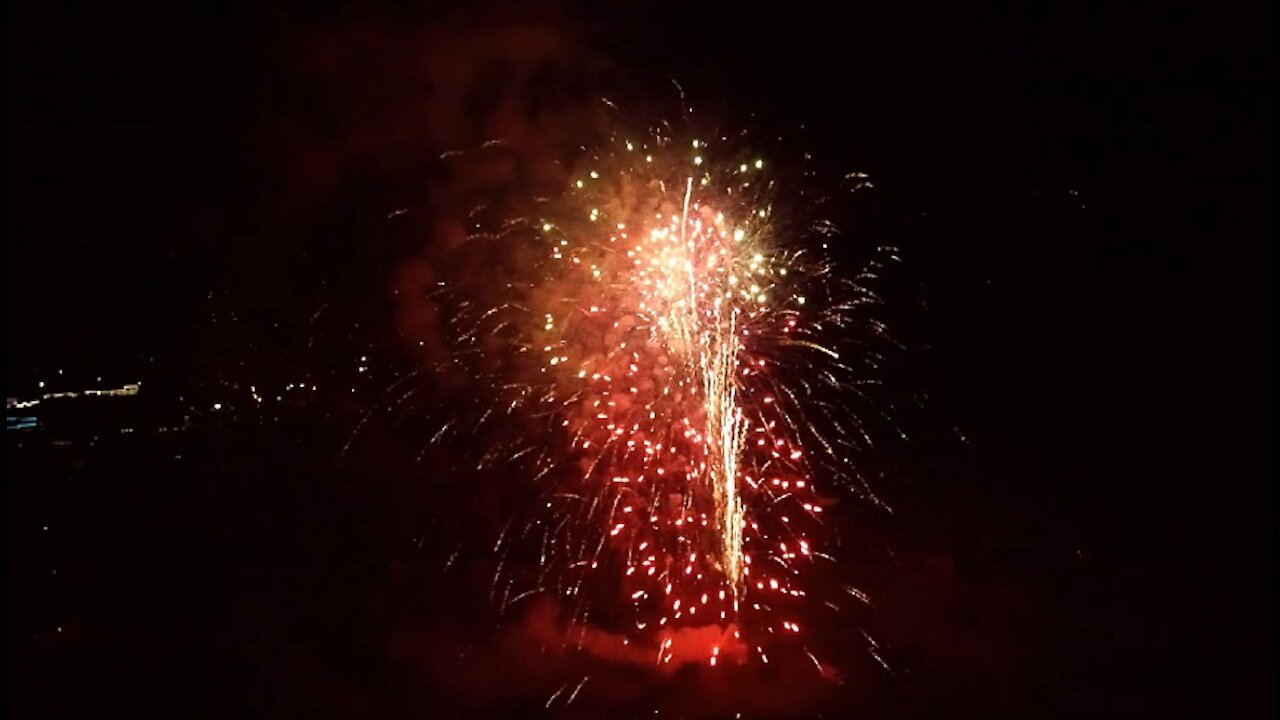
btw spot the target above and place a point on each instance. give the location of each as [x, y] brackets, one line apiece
[687, 369]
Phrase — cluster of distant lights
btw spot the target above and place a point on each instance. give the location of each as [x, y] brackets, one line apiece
[125, 391]
[133, 389]
[128, 390]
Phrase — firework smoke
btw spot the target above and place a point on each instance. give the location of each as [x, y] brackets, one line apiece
[678, 355]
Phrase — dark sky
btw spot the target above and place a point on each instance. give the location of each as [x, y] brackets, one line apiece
[121, 128]
[1084, 191]
[137, 162]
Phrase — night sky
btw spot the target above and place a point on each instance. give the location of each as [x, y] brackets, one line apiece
[1082, 193]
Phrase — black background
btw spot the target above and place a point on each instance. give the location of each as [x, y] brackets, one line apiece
[1084, 193]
